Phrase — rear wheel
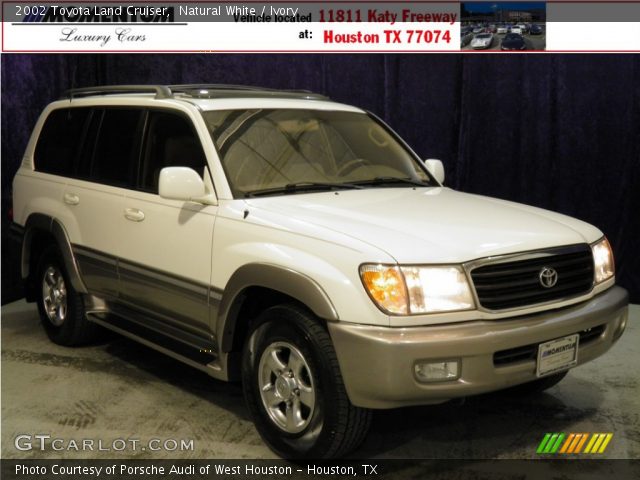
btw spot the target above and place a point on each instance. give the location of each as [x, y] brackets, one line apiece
[294, 389]
[61, 308]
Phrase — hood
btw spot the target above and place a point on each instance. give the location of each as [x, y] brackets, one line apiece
[427, 225]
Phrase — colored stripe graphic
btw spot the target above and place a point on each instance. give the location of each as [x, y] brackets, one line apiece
[543, 443]
[550, 443]
[598, 443]
[605, 443]
[590, 444]
[581, 443]
[556, 446]
[573, 443]
[567, 443]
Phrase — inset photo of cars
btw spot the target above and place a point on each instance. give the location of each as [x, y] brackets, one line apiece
[503, 26]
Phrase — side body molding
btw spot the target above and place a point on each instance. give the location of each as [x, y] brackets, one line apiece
[40, 222]
[283, 280]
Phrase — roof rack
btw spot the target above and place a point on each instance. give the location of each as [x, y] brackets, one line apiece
[215, 86]
[222, 86]
[161, 91]
[197, 90]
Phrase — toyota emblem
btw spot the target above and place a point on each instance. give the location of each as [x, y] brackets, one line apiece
[548, 277]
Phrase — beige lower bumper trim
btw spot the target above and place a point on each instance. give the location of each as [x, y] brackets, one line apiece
[377, 363]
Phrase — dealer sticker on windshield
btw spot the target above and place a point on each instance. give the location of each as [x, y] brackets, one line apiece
[557, 355]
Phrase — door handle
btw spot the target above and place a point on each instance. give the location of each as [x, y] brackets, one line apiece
[134, 214]
[71, 199]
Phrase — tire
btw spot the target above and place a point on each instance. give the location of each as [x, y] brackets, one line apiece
[303, 411]
[537, 386]
[61, 308]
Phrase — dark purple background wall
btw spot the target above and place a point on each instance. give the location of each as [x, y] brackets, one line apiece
[557, 131]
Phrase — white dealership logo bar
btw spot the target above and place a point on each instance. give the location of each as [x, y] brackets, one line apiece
[290, 27]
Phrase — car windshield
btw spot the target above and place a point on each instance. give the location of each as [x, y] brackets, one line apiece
[512, 36]
[279, 151]
[483, 36]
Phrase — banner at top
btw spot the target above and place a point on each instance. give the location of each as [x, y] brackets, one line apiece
[334, 26]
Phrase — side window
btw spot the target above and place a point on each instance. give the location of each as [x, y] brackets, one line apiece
[83, 170]
[115, 156]
[171, 142]
[59, 141]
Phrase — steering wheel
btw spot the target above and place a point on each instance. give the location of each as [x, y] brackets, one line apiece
[350, 166]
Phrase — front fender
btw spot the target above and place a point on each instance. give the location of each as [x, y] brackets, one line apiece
[281, 279]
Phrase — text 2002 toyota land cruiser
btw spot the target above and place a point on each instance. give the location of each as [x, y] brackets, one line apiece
[299, 245]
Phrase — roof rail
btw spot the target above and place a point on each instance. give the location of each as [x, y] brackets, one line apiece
[161, 91]
[266, 91]
[215, 86]
[194, 90]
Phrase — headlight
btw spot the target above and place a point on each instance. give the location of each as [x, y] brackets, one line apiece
[602, 261]
[414, 290]
[437, 289]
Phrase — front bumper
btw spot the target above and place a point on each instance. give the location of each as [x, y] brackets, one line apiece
[377, 363]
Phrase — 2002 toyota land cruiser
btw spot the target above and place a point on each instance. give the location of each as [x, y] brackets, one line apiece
[299, 245]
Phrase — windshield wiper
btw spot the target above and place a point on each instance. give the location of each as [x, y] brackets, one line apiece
[392, 180]
[303, 187]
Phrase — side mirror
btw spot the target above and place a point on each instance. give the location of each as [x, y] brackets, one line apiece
[181, 183]
[436, 169]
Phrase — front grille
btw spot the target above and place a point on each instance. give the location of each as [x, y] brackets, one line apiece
[516, 284]
[530, 352]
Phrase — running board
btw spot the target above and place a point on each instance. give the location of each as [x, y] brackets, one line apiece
[203, 359]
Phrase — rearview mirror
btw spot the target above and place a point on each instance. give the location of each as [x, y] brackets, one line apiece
[181, 183]
[436, 168]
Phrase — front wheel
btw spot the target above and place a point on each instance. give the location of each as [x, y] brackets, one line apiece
[294, 389]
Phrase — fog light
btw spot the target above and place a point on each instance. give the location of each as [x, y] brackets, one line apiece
[437, 371]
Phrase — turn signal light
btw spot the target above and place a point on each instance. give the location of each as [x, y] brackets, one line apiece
[386, 287]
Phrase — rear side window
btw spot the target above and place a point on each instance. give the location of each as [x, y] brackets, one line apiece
[171, 142]
[59, 141]
[117, 147]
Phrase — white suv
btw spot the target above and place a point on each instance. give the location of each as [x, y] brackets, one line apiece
[299, 245]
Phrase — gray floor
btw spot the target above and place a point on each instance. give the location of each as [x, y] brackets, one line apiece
[120, 389]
